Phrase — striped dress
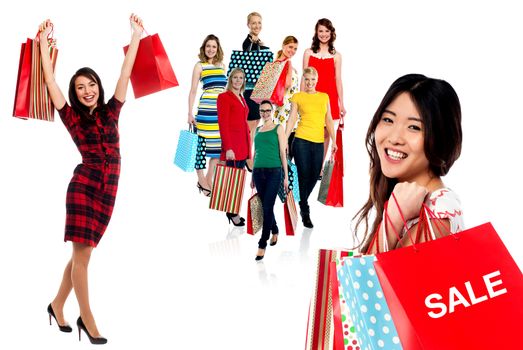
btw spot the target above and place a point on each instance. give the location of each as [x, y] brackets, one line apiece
[214, 81]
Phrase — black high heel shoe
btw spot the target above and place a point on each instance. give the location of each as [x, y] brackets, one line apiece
[259, 257]
[66, 328]
[206, 191]
[274, 241]
[231, 218]
[93, 340]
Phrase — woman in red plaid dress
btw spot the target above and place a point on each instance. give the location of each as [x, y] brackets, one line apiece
[91, 194]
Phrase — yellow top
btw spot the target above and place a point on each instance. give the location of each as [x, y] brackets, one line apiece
[312, 109]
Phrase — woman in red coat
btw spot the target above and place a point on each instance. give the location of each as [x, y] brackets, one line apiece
[234, 130]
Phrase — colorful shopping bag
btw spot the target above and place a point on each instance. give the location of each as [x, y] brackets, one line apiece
[334, 196]
[185, 157]
[40, 104]
[254, 214]
[290, 214]
[152, 70]
[368, 308]
[446, 292]
[325, 180]
[227, 189]
[271, 83]
[328, 327]
[252, 63]
[23, 81]
[293, 183]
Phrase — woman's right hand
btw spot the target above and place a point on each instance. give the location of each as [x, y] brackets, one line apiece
[190, 119]
[229, 155]
[410, 196]
[45, 28]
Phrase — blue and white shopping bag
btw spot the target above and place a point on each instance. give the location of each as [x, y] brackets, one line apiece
[375, 329]
[185, 157]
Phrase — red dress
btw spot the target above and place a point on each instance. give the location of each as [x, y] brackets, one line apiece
[327, 81]
[234, 130]
[92, 190]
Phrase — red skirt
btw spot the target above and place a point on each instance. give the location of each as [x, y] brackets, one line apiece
[90, 201]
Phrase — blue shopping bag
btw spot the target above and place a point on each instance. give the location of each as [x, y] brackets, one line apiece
[185, 157]
[367, 305]
[293, 183]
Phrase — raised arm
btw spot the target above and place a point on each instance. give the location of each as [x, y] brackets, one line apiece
[128, 62]
[339, 84]
[54, 91]
[197, 71]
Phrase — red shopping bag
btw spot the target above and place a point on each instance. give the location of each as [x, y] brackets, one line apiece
[271, 83]
[290, 214]
[442, 294]
[23, 81]
[40, 104]
[152, 70]
[339, 143]
[335, 193]
[324, 325]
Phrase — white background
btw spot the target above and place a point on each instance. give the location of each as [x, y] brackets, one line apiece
[171, 274]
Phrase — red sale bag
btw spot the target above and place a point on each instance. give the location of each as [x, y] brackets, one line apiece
[152, 70]
[444, 293]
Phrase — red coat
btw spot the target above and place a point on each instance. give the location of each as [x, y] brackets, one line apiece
[234, 130]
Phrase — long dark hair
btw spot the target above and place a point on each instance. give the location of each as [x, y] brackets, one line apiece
[77, 106]
[440, 110]
[315, 47]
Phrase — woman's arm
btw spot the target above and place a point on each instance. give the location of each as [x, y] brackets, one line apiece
[329, 124]
[197, 71]
[128, 62]
[339, 84]
[54, 91]
[293, 117]
[282, 143]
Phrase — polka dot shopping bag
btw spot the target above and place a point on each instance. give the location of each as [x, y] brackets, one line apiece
[367, 305]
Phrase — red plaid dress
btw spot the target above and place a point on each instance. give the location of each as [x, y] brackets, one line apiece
[92, 191]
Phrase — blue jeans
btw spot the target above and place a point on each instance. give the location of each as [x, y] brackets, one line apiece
[267, 181]
[308, 157]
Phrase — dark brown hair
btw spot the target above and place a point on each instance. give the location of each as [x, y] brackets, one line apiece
[315, 47]
[76, 105]
[440, 110]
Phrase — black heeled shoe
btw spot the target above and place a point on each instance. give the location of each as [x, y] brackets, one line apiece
[273, 242]
[306, 220]
[259, 257]
[66, 328]
[93, 340]
[206, 191]
[231, 218]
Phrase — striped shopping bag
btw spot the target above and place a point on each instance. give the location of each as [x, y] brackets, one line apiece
[40, 104]
[227, 189]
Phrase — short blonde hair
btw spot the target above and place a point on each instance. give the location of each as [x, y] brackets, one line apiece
[310, 70]
[251, 15]
[229, 79]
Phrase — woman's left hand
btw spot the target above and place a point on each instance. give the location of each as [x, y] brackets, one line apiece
[286, 184]
[136, 23]
[343, 111]
[334, 147]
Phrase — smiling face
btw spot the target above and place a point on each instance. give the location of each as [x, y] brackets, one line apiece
[237, 81]
[266, 111]
[211, 48]
[87, 92]
[310, 80]
[289, 50]
[324, 34]
[255, 25]
[399, 138]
